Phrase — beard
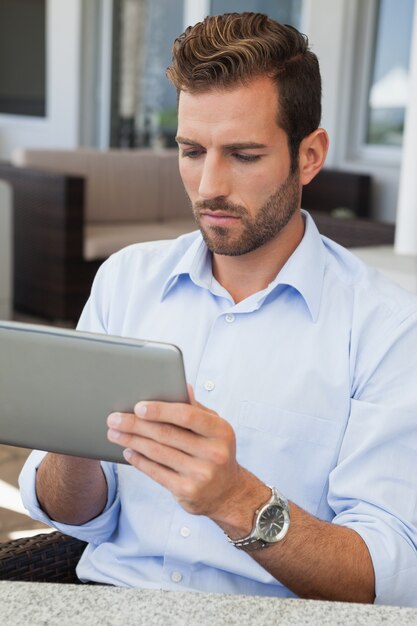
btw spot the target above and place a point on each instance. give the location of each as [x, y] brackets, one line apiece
[267, 223]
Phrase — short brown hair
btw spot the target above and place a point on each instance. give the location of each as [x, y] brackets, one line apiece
[225, 50]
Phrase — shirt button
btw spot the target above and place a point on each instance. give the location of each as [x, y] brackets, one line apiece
[209, 385]
[185, 532]
[176, 577]
[230, 318]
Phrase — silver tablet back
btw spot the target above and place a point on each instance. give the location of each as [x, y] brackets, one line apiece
[58, 386]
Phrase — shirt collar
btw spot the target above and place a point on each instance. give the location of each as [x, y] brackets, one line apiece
[195, 263]
[304, 270]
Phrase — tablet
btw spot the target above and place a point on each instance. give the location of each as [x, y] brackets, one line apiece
[58, 386]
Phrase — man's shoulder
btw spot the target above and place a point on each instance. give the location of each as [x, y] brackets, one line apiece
[145, 264]
[369, 288]
[166, 252]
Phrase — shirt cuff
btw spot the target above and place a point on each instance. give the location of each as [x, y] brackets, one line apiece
[386, 546]
[95, 531]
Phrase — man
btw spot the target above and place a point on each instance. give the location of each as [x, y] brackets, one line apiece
[302, 445]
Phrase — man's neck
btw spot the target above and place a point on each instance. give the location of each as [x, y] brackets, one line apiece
[249, 273]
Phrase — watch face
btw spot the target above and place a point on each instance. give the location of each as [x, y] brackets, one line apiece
[271, 523]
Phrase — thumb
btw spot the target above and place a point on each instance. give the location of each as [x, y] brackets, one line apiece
[191, 395]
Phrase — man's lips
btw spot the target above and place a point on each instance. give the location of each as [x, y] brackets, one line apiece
[218, 217]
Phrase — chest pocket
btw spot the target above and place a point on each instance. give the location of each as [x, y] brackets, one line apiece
[291, 451]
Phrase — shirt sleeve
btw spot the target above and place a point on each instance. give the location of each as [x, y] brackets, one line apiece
[100, 528]
[373, 488]
[96, 530]
[94, 315]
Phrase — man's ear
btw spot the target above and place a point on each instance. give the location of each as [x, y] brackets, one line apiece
[312, 154]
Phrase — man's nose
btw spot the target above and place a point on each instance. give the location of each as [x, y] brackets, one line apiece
[215, 180]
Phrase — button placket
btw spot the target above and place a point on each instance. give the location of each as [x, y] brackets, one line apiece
[221, 333]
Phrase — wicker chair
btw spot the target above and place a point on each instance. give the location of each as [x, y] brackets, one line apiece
[49, 557]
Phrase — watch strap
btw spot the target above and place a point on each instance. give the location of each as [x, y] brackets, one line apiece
[252, 541]
[249, 543]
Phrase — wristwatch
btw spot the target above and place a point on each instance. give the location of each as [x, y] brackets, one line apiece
[271, 524]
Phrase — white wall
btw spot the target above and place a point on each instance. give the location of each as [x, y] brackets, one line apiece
[334, 31]
[406, 231]
[326, 23]
[195, 11]
[61, 126]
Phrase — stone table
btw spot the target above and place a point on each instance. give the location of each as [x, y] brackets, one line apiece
[46, 603]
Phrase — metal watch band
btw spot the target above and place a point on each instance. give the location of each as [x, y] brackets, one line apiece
[252, 541]
[249, 543]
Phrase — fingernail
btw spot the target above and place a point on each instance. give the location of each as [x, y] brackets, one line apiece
[113, 434]
[114, 419]
[127, 454]
[141, 409]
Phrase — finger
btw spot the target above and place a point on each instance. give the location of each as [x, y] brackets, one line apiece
[166, 434]
[189, 491]
[171, 458]
[162, 475]
[124, 421]
[198, 419]
[191, 395]
[186, 489]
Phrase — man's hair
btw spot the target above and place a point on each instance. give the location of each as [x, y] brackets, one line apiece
[232, 49]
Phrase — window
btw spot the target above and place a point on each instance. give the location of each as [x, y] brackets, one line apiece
[144, 112]
[22, 57]
[388, 91]
[146, 107]
[287, 11]
[158, 117]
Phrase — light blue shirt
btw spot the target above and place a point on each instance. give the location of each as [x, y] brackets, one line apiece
[317, 374]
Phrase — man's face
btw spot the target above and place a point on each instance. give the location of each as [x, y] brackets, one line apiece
[235, 164]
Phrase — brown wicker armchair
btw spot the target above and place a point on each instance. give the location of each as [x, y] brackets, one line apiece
[49, 557]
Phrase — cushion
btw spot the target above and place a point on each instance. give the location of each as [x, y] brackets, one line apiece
[121, 185]
[101, 240]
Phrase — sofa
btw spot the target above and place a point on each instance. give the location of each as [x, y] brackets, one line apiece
[73, 208]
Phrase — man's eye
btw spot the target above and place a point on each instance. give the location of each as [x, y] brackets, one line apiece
[192, 154]
[247, 158]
